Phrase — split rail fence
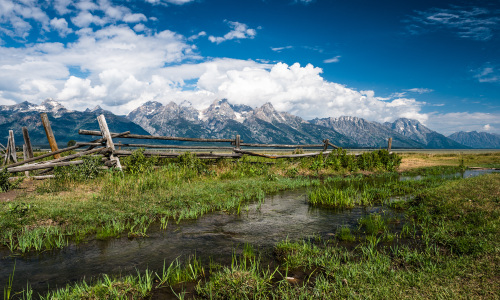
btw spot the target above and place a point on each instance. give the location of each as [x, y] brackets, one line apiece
[105, 146]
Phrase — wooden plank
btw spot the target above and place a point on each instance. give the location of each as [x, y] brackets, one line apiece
[50, 134]
[164, 146]
[102, 140]
[281, 146]
[282, 156]
[43, 166]
[334, 146]
[389, 145]
[43, 156]
[103, 125]
[176, 154]
[163, 138]
[27, 142]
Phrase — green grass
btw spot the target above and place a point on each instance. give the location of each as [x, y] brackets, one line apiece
[448, 248]
[83, 201]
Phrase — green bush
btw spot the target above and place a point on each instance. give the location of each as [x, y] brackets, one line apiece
[89, 169]
[138, 163]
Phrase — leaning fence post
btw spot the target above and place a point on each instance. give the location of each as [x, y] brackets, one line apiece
[389, 145]
[50, 134]
[12, 146]
[7, 153]
[27, 142]
[103, 125]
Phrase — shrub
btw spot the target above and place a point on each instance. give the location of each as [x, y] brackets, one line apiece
[138, 163]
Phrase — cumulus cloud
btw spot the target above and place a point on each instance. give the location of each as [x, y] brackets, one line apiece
[304, 92]
[61, 25]
[14, 16]
[463, 121]
[239, 31]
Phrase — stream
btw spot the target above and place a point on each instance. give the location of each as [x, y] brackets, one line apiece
[213, 236]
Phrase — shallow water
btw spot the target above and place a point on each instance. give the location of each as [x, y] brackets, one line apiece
[211, 237]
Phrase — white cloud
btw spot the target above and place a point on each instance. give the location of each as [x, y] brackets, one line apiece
[466, 22]
[488, 127]
[420, 90]
[487, 73]
[140, 27]
[279, 49]
[61, 25]
[302, 91]
[335, 59]
[176, 2]
[463, 121]
[134, 18]
[240, 31]
[14, 17]
[198, 35]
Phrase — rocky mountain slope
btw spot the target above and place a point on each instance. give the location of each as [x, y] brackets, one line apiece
[224, 120]
[477, 140]
[367, 134]
[65, 123]
[414, 130]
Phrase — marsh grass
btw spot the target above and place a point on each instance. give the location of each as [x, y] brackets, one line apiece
[348, 192]
[113, 203]
[448, 248]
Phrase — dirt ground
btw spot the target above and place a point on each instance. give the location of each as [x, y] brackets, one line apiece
[26, 186]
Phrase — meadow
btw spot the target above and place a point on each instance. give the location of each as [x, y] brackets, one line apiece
[444, 244]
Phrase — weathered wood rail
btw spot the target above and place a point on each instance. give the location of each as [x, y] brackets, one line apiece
[105, 146]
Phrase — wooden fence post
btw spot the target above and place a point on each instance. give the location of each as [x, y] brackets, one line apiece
[237, 142]
[389, 145]
[7, 153]
[13, 153]
[27, 142]
[50, 134]
[326, 144]
[26, 156]
[103, 125]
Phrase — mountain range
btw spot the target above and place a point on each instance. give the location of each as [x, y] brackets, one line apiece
[64, 123]
[224, 120]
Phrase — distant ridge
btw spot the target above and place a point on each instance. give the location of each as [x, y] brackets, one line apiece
[65, 123]
[477, 140]
[224, 120]
[414, 130]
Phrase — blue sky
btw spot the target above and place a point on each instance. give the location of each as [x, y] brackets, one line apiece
[435, 61]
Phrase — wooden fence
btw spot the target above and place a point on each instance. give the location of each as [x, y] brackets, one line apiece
[105, 146]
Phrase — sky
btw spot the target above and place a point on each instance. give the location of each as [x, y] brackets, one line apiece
[434, 61]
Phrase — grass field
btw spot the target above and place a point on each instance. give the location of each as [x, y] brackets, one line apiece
[448, 246]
